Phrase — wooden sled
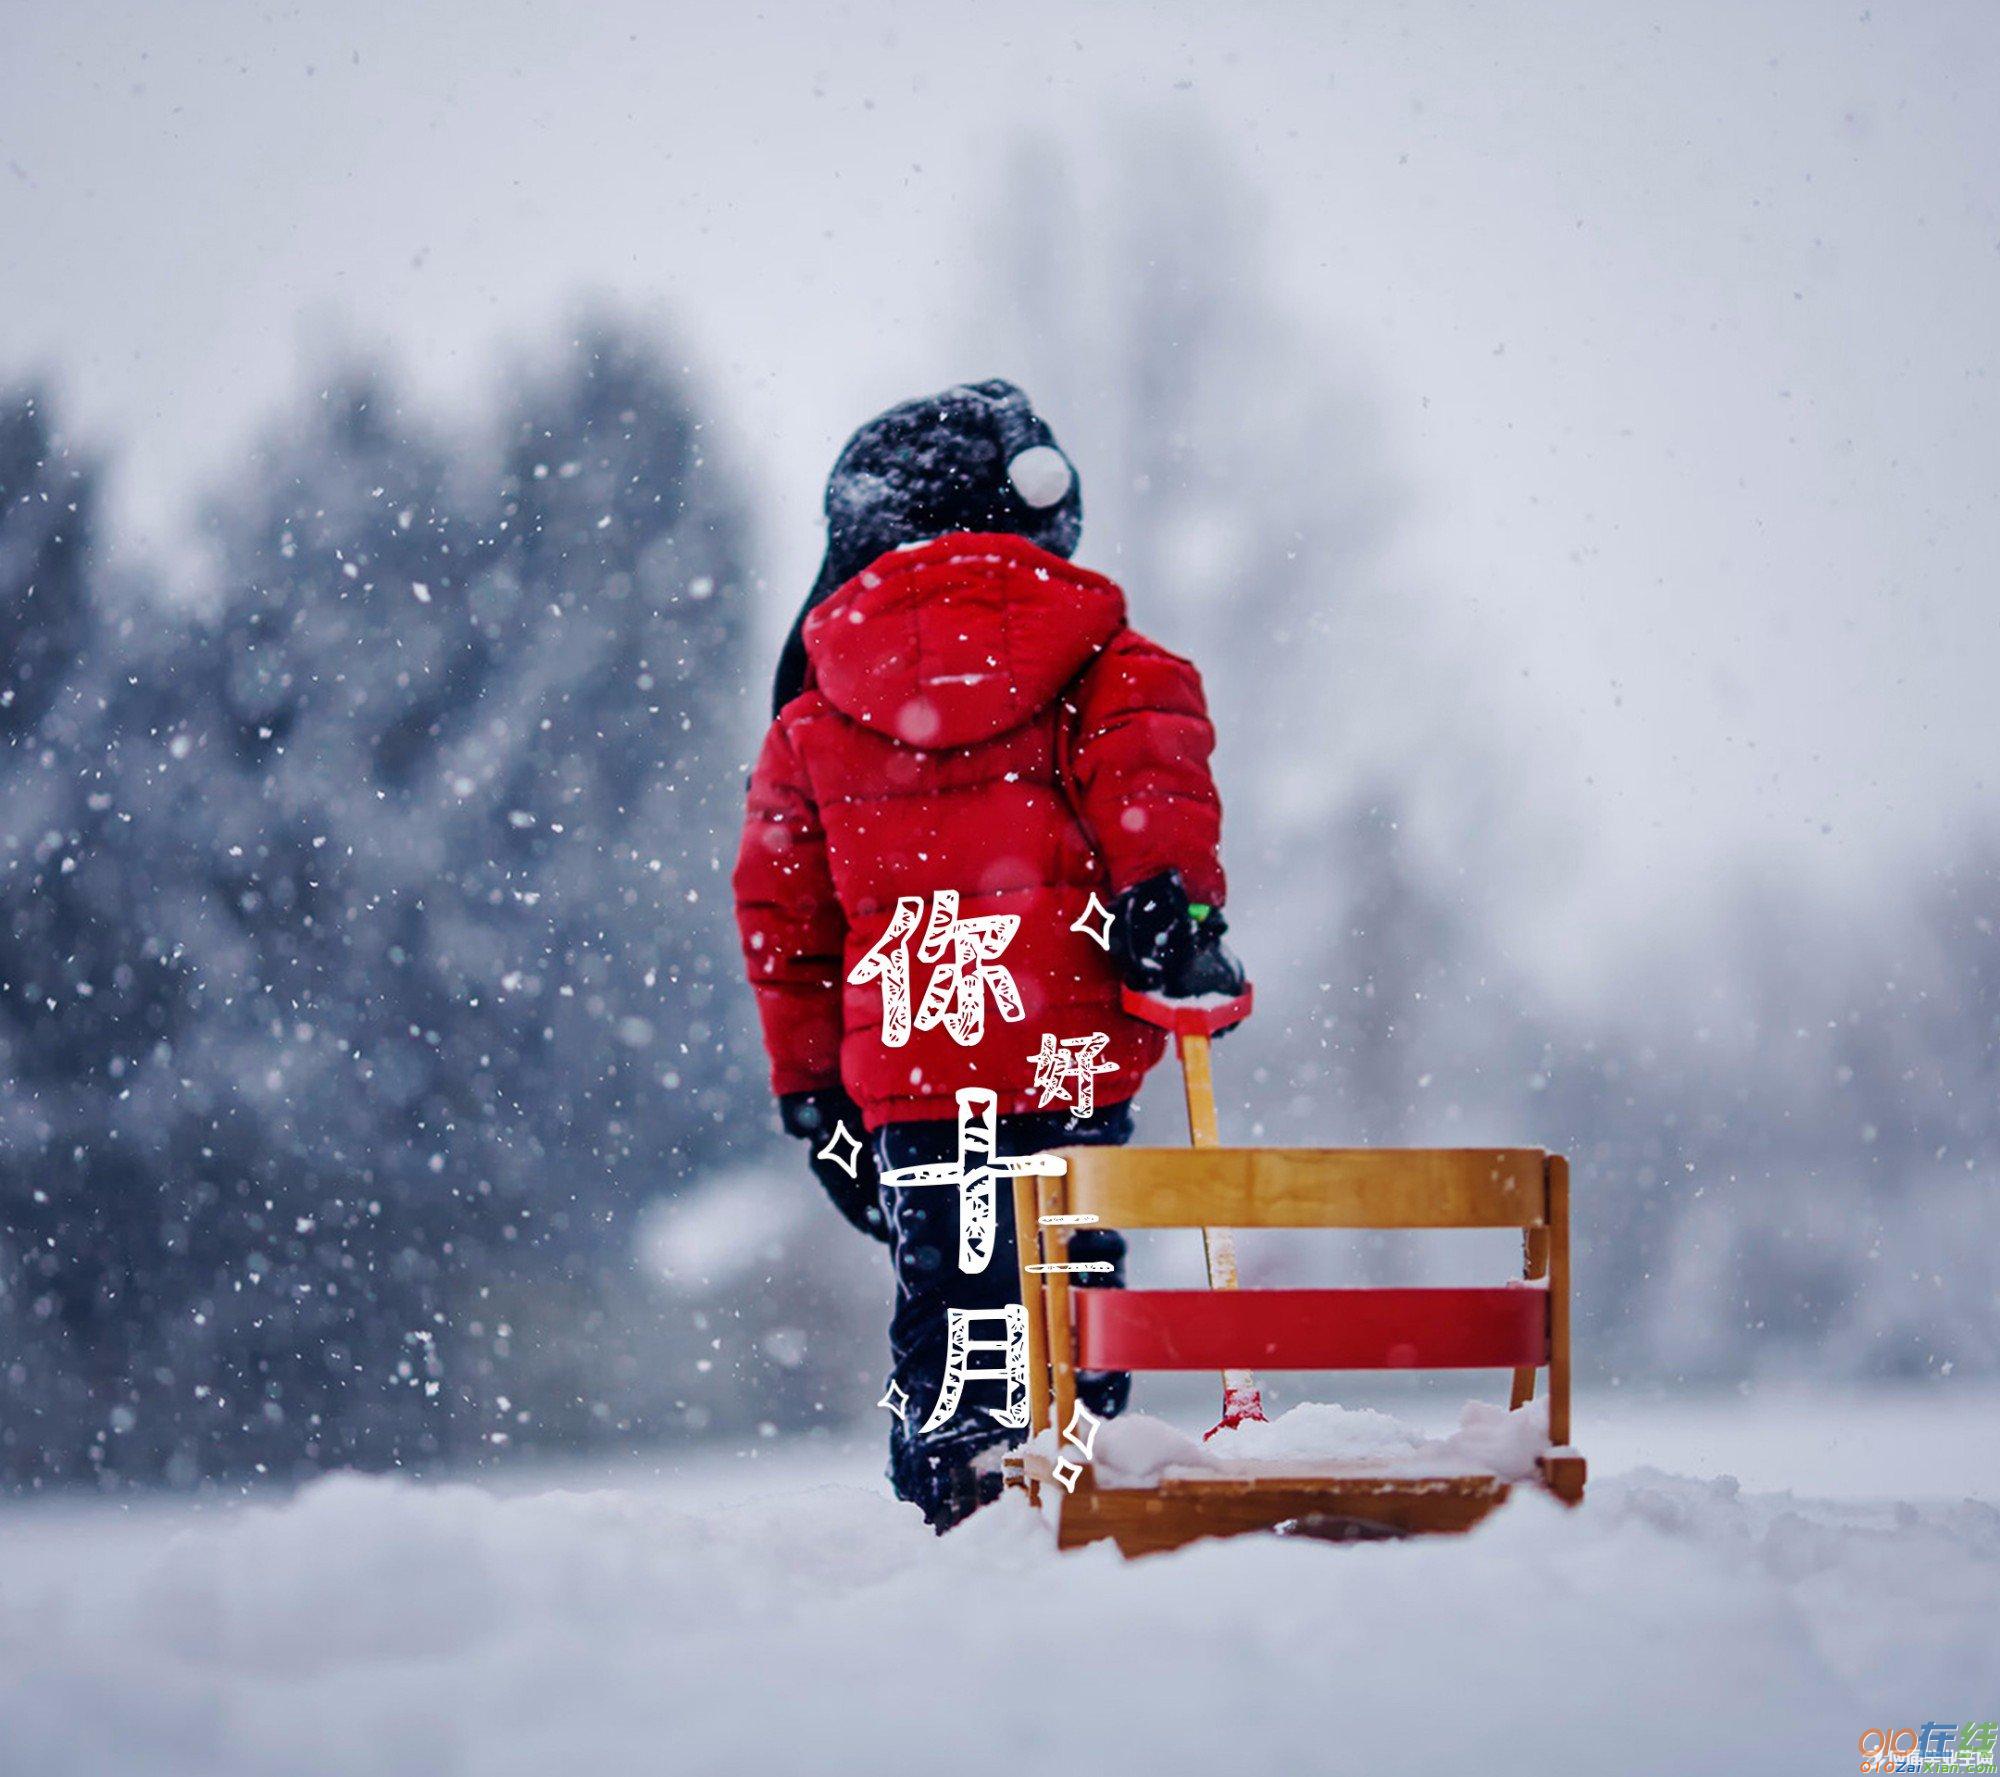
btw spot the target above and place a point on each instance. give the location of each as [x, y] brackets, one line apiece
[1519, 1327]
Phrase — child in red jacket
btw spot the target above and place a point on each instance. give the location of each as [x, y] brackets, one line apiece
[969, 745]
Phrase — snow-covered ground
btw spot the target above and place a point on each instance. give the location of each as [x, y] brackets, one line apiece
[776, 1612]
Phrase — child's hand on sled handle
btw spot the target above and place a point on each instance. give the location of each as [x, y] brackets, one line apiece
[1205, 1015]
[1170, 954]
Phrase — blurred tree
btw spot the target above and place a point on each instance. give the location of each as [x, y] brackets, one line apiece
[49, 1016]
[47, 496]
[615, 754]
[361, 965]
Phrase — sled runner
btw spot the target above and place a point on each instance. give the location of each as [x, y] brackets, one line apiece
[1521, 1326]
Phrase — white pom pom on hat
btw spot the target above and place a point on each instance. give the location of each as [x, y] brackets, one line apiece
[1041, 475]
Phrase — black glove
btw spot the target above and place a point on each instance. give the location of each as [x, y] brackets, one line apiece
[813, 1117]
[1162, 948]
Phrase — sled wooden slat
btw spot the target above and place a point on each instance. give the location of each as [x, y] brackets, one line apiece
[1344, 1329]
[1559, 1365]
[1054, 1244]
[1535, 1269]
[1314, 1501]
[1027, 1235]
[1309, 1187]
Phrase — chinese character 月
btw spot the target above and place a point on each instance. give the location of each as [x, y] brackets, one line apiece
[1011, 1347]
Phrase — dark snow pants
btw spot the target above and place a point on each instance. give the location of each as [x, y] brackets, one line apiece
[952, 1471]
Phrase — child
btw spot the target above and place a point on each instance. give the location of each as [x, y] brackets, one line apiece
[958, 709]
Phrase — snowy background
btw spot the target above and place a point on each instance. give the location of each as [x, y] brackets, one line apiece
[1566, 438]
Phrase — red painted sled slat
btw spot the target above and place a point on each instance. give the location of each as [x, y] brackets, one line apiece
[1385, 1329]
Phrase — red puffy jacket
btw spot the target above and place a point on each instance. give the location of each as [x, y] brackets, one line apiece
[976, 717]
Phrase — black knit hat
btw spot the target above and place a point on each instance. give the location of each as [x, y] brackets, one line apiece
[973, 458]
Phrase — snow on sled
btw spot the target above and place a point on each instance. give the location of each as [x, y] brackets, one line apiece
[1172, 1498]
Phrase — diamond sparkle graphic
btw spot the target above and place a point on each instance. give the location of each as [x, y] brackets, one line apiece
[1095, 922]
[1082, 1430]
[842, 1149]
[896, 1401]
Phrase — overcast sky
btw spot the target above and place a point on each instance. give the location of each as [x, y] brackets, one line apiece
[1682, 319]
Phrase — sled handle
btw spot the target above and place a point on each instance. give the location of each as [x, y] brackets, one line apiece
[1193, 1023]
[1205, 1017]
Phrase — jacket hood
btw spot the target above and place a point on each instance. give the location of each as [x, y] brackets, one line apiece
[958, 639]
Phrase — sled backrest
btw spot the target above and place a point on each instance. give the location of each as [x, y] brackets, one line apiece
[1308, 1187]
[1510, 1327]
